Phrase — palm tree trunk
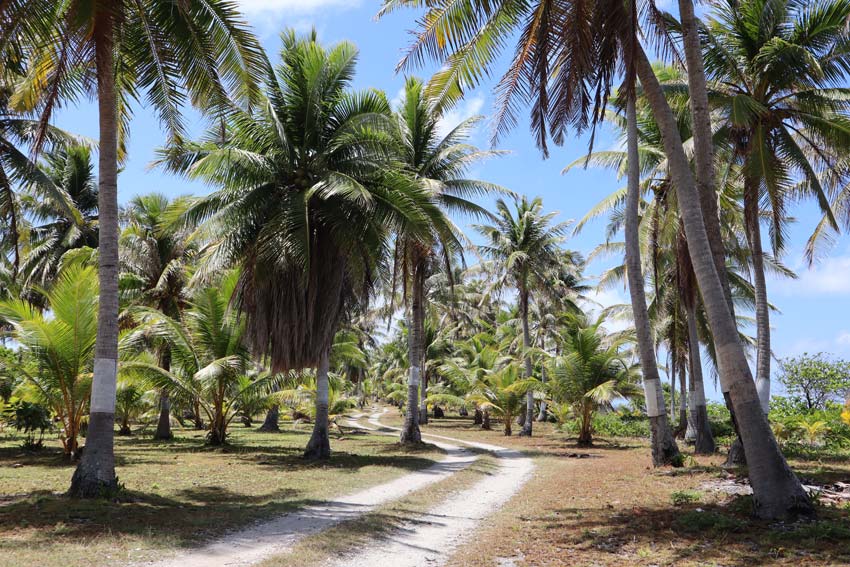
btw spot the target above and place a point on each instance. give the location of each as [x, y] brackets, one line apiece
[777, 492]
[95, 475]
[410, 432]
[751, 213]
[319, 446]
[423, 393]
[271, 425]
[704, 161]
[683, 401]
[163, 426]
[703, 143]
[528, 423]
[664, 448]
[542, 414]
[485, 420]
[698, 414]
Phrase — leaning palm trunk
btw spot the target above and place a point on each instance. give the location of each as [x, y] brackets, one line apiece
[270, 424]
[777, 492]
[698, 414]
[703, 142]
[95, 475]
[528, 422]
[751, 214]
[664, 448]
[704, 159]
[410, 432]
[319, 446]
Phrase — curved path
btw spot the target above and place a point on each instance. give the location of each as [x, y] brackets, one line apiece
[450, 525]
[431, 538]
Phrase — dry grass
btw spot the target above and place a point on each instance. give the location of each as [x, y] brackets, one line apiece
[609, 507]
[178, 493]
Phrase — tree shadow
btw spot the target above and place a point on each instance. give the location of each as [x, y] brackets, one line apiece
[706, 533]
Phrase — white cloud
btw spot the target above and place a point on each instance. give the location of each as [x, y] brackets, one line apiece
[843, 338]
[466, 109]
[601, 299]
[830, 277]
[287, 7]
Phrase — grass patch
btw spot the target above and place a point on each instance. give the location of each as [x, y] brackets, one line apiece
[179, 493]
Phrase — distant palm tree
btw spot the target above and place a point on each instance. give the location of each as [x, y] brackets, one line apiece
[309, 196]
[156, 263]
[497, 394]
[524, 247]
[114, 52]
[56, 230]
[209, 356]
[439, 163]
[591, 373]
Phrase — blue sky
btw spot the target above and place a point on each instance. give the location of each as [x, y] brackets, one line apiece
[814, 308]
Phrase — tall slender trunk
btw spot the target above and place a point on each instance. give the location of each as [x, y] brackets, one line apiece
[703, 142]
[698, 415]
[423, 391]
[751, 214]
[271, 425]
[528, 423]
[319, 446]
[704, 161]
[664, 448]
[410, 432]
[163, 426]
[95, 475]
[542, 414]
[777, 492]
[683, 401]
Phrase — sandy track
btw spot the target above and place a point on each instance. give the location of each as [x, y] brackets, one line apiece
[252, 545]
[430, 538]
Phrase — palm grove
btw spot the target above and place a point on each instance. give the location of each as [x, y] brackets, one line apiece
[333, 212]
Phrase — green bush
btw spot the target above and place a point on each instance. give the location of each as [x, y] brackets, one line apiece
[720, 420]
[682, 497]
[615, 424]
[29, 418]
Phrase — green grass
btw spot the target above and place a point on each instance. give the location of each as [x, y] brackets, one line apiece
[178, 493]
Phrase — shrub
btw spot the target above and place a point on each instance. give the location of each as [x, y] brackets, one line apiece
[682, 497]
[29, 418]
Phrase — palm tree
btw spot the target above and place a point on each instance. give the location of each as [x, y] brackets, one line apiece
[115, 51]
[156, 261]
[498, 394]
[524, 248]
[18, 168]
[209, 356]
[591, 373]
[58, 230]
[559, 74]
[309, 195]
[779, 82]
[62, 343]
[439, 164]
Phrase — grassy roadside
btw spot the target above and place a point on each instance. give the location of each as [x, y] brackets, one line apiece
[607, 506]
[179, 493]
